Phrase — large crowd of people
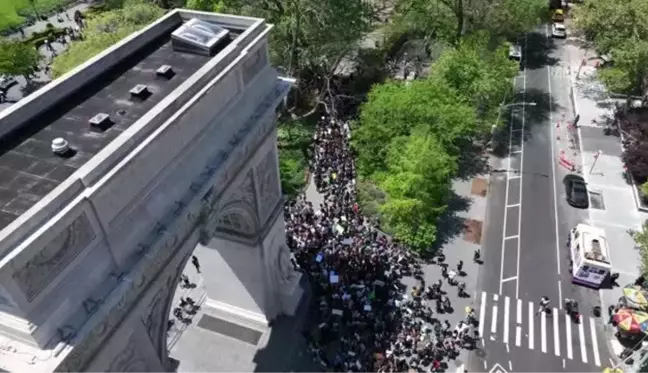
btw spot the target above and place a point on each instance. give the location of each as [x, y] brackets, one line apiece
[364, 318]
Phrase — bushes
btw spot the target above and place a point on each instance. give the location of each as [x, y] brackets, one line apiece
[293, 138]
[38, 38]
[103, 31]
[635, 156]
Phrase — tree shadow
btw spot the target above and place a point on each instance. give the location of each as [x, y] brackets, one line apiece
[449, 224]
[520, 121]
[472, 161]
[538, 48]
[31, 87]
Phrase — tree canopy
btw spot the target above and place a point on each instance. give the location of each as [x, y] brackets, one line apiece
[310, 38]
[408, 135]
[417, 181]
[18, 58]
[394, 109]
[450, 20]
[619, 29]
[105, 29]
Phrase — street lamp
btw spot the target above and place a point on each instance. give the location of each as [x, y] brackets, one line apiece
[499, 113]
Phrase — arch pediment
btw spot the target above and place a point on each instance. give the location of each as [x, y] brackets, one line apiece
[235, 213]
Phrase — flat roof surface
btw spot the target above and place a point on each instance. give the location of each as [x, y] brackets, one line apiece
[29, 169]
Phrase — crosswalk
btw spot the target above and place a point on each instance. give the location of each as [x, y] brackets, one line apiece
[557, 334]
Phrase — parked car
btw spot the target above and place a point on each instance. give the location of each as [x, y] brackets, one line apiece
[558, 30]
[576, 190]
[515, 52]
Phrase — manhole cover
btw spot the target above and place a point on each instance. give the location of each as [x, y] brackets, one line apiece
[596, 200]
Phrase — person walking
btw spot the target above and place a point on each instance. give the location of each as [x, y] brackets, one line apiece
[195, 262]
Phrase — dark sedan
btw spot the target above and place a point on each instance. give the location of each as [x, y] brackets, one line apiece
[577, 195]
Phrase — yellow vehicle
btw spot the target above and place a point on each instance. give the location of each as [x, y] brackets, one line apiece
[558, 15]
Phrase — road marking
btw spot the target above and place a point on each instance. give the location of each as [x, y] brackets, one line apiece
[506, 198]
[494, 320]
[509, 279]
[485, 365]
[518, 317]
[564, 363]
[510, 238]
[570, 352]
[507, 302]
[515, 130]
[553, 167]
[517, 284]
[559, 291]
[482, 312]
[595, 347]
[518, 336]
[556, 333]
[514, 176]
[516, 152]
[495, 297]
[581, 335]
[510, 366]
[531, 317]
[514, 205]
[543, 331]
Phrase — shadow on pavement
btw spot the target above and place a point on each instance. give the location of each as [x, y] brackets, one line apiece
[537, 51]
[31, 87]
[538, 114]
[450, 224]
[472, 161]
[287, 348]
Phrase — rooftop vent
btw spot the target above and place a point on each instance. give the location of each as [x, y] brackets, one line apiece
[200, 37]
[165, 71]
[101, 121]
[60, 146]
[140, 91]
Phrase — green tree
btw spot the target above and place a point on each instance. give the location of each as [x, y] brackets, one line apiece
[394, 109]
[641, 239]
[33, 5]
[104, 30]
[310, 38]
[450, 20]
[18, 58]
[619, 29]
[418, 185]
[479, 74]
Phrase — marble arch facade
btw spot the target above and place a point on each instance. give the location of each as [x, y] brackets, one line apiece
[91, 282]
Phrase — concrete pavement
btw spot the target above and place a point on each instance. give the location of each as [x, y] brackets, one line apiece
[616, 210]
[528, 223]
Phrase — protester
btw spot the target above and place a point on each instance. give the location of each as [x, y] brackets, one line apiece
[364, 319]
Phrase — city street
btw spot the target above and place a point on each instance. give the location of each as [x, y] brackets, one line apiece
[528, 220]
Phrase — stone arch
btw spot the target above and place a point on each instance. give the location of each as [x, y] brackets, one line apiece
[237, 218]
[159, 339]
[235, 213]
[156, 318]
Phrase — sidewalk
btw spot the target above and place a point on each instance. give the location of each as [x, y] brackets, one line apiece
[468, 210]
[613, 206]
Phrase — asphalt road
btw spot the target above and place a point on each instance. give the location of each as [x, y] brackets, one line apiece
[526, 225]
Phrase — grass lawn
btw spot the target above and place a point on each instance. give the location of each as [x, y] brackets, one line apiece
[12, 12]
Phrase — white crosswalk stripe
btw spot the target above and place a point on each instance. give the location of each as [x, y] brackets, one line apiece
[554, 328]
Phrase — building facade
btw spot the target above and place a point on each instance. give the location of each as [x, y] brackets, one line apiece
[89, 269]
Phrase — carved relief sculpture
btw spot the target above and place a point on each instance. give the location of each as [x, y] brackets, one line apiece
[236, 212]
[43, 268]
[284, 265]
[268, 183]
